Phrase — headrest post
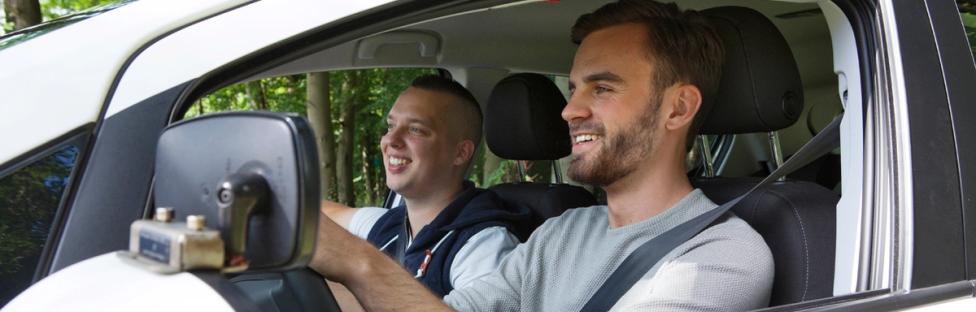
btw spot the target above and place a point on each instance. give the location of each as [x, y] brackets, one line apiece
[556, 171]
[776, 150]
[705, 146]
[521, 170]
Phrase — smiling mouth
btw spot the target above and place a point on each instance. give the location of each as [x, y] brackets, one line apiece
[584, 138]
[397, 161]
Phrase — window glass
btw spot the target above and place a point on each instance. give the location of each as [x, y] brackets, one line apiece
[29, 198]
[348, 131]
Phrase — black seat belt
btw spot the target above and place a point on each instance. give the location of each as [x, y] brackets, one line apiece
[639, 262]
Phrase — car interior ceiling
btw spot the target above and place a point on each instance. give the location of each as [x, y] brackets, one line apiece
[483, 47]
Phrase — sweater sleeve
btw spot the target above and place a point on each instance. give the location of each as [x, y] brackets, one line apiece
[722, 269]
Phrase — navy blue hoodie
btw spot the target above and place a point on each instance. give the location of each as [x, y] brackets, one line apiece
[472, 211]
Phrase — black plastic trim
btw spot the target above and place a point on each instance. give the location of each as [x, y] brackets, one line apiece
[915, 298]
[823, 302]
[938, 254]
[959, 72]
[110, 195]
[230, 293]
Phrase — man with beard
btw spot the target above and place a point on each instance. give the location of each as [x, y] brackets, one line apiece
[637, 83]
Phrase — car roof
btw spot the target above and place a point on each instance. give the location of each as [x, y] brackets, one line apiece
[57, 82]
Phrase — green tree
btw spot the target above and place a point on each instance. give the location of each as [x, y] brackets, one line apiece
[967, 10]
[359, 97]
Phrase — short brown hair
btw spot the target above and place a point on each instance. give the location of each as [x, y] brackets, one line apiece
[682, 45]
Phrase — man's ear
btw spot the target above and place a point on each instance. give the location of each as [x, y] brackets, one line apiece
[465, 151]
[685, 102]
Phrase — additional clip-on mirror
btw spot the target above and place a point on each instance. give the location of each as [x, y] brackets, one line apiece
[255, 174]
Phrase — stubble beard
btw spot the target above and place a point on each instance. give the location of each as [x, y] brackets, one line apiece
[620, 154]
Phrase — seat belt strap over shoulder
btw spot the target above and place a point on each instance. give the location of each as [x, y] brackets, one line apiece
[639, 262]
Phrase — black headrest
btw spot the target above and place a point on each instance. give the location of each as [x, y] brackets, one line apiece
[522, 120]
[760, 89]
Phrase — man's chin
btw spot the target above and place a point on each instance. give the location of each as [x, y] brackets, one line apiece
[580, 172]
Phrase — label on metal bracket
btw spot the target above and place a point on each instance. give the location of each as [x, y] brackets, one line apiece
[154, 246]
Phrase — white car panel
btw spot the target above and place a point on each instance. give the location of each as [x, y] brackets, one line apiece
[107, 283]
[62, 77]
[222, 39]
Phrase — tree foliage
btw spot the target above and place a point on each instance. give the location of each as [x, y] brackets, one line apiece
[369, 93]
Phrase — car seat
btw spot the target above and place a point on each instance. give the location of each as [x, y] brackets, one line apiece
[523, 122]
[761, 91]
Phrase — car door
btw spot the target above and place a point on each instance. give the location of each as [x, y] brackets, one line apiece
[918, 227]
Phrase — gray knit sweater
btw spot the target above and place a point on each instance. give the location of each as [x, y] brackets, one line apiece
[727, 267]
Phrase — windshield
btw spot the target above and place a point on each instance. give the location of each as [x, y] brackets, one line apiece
[29, 33]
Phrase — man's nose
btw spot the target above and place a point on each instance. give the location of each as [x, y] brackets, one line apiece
[393, 138]
[577, 108]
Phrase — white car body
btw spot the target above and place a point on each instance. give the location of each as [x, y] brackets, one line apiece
[84, 74]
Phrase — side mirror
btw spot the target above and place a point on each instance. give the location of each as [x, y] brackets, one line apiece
[253, 176]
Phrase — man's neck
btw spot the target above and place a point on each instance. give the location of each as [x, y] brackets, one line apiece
[422, 210]
[646, 192]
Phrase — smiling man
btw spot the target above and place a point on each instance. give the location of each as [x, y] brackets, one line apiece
[638, 81]
[449, 232]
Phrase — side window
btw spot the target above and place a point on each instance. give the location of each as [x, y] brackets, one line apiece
[29, 199]
[967, 9]
[347, 109]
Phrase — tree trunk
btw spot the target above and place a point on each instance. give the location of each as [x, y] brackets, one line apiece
[364, 145]
[320, 117]
[22, 13]
[256, 92]
[351, 89]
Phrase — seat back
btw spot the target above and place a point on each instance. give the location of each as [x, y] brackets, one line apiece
[761, 91]
[522, 122]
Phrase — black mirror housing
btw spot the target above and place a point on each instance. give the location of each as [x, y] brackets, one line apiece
[195, 158]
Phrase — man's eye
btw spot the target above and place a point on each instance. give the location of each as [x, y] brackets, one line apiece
[389, 127]
[416, 130]
[600, 90]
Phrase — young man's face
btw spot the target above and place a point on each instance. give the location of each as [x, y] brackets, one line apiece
[612, 113]
[419, 147]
